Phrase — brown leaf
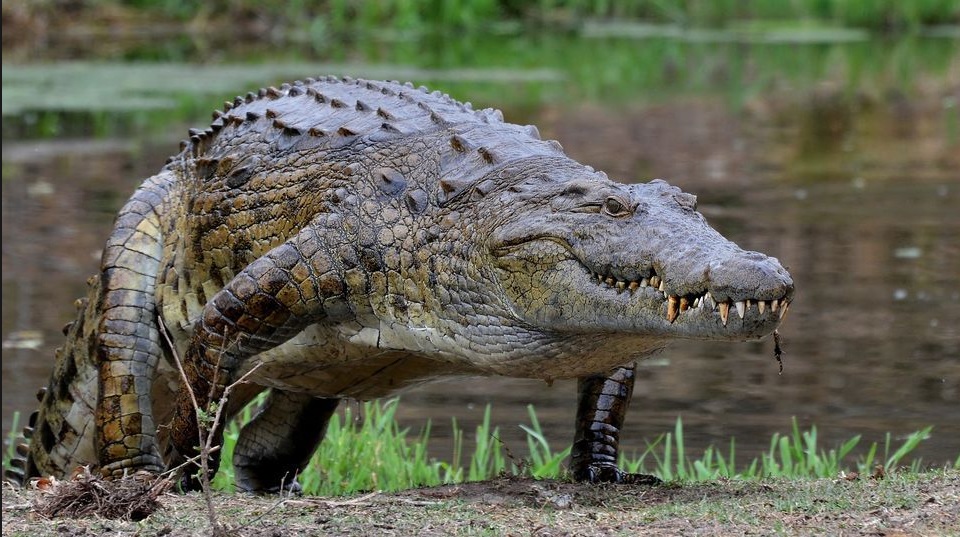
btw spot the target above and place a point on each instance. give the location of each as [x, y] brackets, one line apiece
[79, 472]
[44, 483]
[852, 476]
[878, 472]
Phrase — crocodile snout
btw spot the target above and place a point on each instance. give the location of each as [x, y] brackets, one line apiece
[750, 276]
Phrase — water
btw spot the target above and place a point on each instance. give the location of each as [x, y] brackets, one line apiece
[850, 178]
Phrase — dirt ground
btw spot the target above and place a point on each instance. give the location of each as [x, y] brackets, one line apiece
[922, 504]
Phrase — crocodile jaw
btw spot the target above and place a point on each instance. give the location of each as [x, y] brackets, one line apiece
[574, 298]
[654, 268]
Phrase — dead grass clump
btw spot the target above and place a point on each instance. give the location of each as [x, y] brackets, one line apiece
[86, 494]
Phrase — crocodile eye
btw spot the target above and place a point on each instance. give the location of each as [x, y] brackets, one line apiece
[615, 207]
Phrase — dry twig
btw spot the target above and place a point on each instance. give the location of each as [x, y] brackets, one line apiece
[132, 497]
[207, 449]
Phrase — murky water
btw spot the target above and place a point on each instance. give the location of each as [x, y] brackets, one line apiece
[857, 193]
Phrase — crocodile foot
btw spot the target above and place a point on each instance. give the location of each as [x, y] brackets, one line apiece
[265, 478]
[609, 473]
[132, 465]
[245, 484]
[189, 480]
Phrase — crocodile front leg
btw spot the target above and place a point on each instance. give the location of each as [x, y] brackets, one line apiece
[276, 445]
[600, 414]
[292, 286]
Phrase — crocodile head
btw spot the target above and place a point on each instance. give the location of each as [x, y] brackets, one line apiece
[576, 252]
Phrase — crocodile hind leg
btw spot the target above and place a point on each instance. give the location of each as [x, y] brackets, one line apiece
[600, 415]
[128, 343]
[277, 444]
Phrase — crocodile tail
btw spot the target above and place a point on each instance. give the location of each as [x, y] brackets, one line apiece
[20, 467]
[59, 435]
[73, 426]
[128, 346]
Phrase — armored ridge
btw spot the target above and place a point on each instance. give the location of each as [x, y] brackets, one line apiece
[348, 238]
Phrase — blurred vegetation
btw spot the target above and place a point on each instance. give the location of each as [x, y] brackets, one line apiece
[337, 16]
[516, 73]
[882, 15]
[168, 60]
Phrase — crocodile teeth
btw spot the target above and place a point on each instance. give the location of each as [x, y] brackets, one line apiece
[678, 304]
[672, 308]
[724, 312]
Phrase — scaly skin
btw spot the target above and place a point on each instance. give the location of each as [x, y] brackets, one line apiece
[97, 408]
[351, 239]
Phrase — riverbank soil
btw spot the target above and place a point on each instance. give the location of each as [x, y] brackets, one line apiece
[908, 504]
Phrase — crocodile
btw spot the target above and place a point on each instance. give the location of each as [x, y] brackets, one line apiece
[342, 238]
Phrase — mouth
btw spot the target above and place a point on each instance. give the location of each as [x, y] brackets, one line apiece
[652, 285]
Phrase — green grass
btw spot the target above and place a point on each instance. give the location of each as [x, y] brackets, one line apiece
[368, 450]
[10, 442]
[374, 453]
[797, 455]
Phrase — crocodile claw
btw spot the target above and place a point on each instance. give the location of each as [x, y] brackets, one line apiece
[609, 473]
[141, 463]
